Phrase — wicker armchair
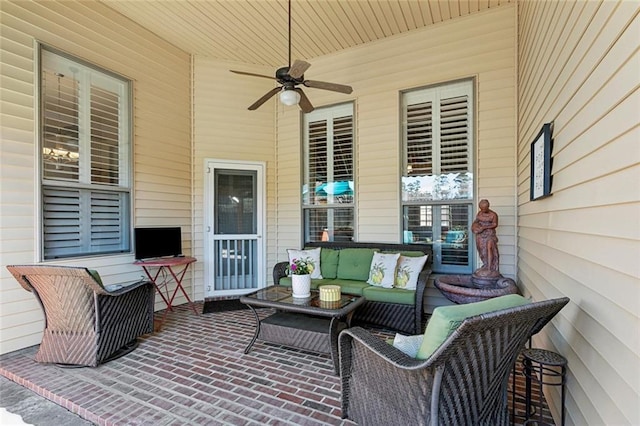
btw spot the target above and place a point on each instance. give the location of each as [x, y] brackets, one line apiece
[86, 324]
[463, 382]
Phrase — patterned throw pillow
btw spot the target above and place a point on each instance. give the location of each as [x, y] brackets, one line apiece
[408, 344]
[408, 271]
[383, 269]
[312, 254]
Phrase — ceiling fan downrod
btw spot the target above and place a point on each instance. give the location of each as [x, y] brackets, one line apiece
[289, 34]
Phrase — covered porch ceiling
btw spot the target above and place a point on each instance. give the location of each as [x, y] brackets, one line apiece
[256, 31]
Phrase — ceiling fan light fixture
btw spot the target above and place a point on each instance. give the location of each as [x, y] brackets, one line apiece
[289, 97]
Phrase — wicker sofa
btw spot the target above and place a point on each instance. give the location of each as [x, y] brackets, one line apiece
[379, 309]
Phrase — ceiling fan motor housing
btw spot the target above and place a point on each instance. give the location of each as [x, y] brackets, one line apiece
[282, 75]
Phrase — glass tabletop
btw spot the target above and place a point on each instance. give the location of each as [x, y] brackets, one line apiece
[283, 295]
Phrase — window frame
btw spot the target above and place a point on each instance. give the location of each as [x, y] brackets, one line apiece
[436, 93]
[331, 207]
[85, 184]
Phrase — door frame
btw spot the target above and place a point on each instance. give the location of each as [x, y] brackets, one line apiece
[210, 165]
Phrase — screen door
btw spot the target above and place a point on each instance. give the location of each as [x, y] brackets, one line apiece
[235, 240]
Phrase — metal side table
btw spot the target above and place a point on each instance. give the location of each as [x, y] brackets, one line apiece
[544, 368]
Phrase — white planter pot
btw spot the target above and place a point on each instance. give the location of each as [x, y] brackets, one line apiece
[301, 285]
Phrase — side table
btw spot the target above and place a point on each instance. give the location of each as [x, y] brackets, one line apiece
[544, 368]
[161, 280]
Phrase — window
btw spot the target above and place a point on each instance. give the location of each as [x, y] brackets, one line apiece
[85, 168]
[328, 189]
[437, 180]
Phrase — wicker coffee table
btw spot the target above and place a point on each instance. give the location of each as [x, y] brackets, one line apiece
[308, 323]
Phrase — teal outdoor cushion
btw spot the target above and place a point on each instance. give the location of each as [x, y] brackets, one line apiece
[354, 263]
[446, 319]
[389, 295]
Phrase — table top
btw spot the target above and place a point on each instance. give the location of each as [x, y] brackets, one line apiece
[281, 297]
[166, 261]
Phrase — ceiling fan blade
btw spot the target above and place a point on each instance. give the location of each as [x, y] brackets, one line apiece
[252, 74]
[305, 104]
[298, 68]
[328, 86]
[265, 98]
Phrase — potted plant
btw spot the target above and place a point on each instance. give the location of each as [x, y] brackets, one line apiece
[301, 269]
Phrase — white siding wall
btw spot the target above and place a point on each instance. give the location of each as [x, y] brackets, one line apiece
[482, 47]
[579, 67]
[162, 161]
[225, 130]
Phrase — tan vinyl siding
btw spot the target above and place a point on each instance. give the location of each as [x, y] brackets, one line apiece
[161, 164]
[224, 129]
[479, 47]
[580, 68]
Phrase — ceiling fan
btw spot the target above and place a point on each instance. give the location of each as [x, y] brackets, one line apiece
[289, 78]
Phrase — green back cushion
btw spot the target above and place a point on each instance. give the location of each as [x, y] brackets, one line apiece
[354, 263]
[329, 262]
[95, 275]
[410, 253]
[446, 319]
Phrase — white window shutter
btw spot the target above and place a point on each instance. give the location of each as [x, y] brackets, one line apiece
[420, 138]
[454, 135]
[328, 186]
[85, 160]
[437, 182]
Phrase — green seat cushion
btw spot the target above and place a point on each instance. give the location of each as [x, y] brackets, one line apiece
[390, 295]
[346, 286]
[349, 286]
[446, 319]
[354, 263]
[329, 262]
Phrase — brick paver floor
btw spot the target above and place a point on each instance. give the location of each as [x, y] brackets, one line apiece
[194, 371]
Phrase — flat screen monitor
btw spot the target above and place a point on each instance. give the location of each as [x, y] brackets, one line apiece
[158, 242]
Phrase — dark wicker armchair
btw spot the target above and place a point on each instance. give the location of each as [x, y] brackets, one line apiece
[464, 381]
[85, 324]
